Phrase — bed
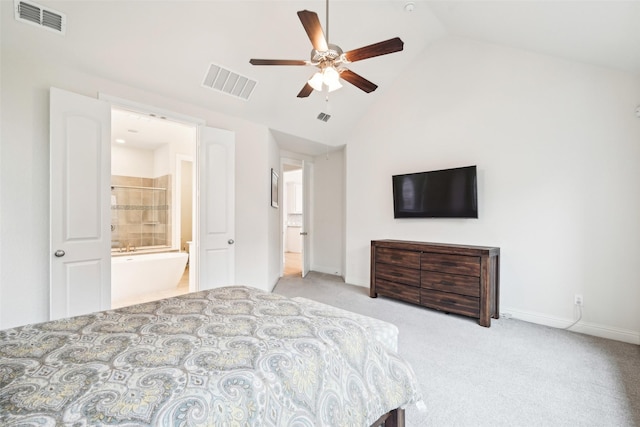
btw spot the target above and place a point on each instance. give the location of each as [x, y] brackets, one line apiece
[225, 357]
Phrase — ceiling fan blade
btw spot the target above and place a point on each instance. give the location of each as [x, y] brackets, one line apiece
[306, 91]
[312, 26]
[376, 49]
[277, 62]
[358, 81]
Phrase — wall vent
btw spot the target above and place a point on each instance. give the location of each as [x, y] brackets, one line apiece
[226, 81]
[43, 17]
[324, 117]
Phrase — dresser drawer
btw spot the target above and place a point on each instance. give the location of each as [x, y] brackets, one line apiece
[409, 259]
[398, 291]
[395, 273]
[454, 264]
[451, 303]
[463, 285]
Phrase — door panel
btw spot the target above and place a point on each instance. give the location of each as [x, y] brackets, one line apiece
[217, 263]
[82, 181]
[80, 177]
[76, 276]
[307, 235]
[216, 171]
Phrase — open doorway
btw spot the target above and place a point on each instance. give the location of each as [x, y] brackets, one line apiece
[152, 215]
[292, 217]
[81, 283]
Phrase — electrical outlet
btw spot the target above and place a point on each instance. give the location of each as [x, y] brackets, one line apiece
[577, 299]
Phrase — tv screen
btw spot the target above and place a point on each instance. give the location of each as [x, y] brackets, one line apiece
[447, 193]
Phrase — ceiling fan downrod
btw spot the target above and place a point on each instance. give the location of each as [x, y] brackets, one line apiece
[327, 18]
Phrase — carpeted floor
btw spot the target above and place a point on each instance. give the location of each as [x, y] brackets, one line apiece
[511, 374]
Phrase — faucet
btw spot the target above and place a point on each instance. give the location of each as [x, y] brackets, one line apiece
[126, 248]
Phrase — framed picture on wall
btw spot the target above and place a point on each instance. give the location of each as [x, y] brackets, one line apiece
[274, 189]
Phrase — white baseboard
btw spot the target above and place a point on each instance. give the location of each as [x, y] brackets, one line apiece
[602, 331]
[358, 281]
[326, 270]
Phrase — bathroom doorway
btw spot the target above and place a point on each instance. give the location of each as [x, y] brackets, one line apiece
[152, 204]
[80, 279]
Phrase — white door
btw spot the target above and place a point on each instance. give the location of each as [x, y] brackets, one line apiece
[216, 197]
[80, 179]
[307, 174]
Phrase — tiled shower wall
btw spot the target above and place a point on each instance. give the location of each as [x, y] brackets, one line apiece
[140, 211]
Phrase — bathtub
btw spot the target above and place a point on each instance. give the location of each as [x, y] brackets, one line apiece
[135, 275]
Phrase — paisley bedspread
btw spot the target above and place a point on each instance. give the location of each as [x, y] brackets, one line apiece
[233, 356]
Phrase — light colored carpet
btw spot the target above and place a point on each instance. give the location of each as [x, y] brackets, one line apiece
[511, 374]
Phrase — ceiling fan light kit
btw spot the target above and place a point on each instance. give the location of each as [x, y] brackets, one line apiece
[331, 60]
[316, 81]
[328, 76]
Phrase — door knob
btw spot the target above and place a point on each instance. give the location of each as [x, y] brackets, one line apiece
[304, 233]
[230, 241]
[59, 253]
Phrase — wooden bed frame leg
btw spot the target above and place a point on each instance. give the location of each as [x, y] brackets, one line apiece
[393, 418]
[396, 418]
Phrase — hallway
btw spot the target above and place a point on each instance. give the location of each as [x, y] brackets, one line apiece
[292, 264]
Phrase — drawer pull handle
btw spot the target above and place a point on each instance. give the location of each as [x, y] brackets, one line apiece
[449, 264]
[448, 284]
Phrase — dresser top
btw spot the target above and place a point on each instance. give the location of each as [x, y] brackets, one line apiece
[437, 247]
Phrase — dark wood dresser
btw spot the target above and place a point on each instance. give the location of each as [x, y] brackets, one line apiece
[456, 279]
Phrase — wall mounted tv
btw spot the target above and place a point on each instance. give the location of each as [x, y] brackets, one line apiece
[447, 193]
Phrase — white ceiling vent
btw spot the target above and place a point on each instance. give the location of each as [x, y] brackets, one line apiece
[43, 17]
[226, 81]
[324, 117]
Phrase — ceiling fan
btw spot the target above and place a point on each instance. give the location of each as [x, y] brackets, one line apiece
[331, 60]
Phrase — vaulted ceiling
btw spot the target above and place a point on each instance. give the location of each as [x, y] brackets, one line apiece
[167, 47]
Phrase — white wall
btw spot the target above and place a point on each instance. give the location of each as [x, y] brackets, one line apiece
[24, 178]
[164, 163]
[328, 213]
[557, 147]
[252, 208]
[167, 164]
[130, 161]
[274, 241]
[146, 163]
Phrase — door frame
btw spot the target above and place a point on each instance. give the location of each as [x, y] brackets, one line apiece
[197, 122]
[306, 214]
[177, 232]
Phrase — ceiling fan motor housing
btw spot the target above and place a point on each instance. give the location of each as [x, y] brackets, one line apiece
[334, 55]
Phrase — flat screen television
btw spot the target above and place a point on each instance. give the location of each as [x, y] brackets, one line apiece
[447, 193]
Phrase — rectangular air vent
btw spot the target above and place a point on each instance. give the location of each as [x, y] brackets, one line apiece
[226, 81]
[324, 117]
[43, 17]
